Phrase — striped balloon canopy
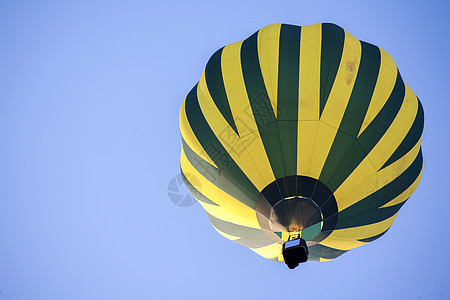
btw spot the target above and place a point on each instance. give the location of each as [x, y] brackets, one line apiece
[301, 132]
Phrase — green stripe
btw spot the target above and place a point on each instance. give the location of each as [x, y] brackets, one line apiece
[369, 218]
[335, 171]
[311, 232]
[288, 73]
[287, 97]
[249, 237]
[380, 124]
[411, 138]
[354, 156]
[402, 182]
[363, 88]
[230, 173]
[260, 104]
[213, 175]
[332, 46]
[208, 171]
[287, 131]
[370, 136]
[338, 151]
[373, 238]
[367, 211]
[196, 193]
[320, 251]
[216, 87]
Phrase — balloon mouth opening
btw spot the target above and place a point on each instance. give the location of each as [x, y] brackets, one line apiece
[294, 213]
[297, 207]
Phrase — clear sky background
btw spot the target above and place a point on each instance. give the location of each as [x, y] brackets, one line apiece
[90, 93]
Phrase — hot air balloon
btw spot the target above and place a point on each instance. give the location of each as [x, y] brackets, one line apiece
[301, 143]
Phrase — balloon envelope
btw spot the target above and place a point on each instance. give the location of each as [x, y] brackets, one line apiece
[301, 132]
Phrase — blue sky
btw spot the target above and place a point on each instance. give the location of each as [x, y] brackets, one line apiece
[90, 93]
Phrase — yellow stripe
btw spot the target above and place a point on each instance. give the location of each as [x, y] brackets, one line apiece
[321, 259]
[396, 132]
[309, 77]
[392, 171]
[343, 83]
[360, 184]
[231, 216]
[364, 173]
[405, 195]
[383, 88]
[189, 136]
[235, 88]
[346, 239]
[322, 143]
[268, 52]
[226, 235]
[341, 244]
[234, 146]
[307, 133]
[244, 119]
[336, 104]
[232, 209]
[199, 181]
[253, 159]
[270, 252]
[309, 95]
[345, 196]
